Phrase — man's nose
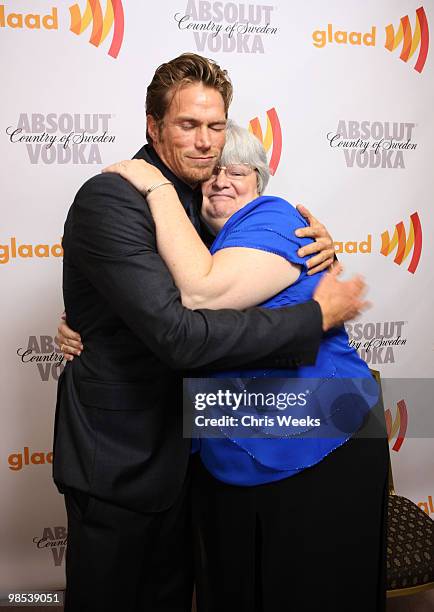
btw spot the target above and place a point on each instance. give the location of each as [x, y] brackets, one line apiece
[203, 140]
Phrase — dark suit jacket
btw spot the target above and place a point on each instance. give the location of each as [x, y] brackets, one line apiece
[118, 430]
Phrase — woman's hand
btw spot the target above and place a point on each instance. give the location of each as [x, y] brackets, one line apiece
[138, 172]
[322, 245]
[68, 341]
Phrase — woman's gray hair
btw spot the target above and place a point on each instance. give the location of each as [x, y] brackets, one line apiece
[242, 147]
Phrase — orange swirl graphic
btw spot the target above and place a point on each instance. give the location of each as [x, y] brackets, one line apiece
[410, 41]
[404, 245]
[101, 26]
[399, 425]
[273, 137]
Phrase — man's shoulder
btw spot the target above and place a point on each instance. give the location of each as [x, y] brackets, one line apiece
[109, 192]
[107, 184]
[107, 204]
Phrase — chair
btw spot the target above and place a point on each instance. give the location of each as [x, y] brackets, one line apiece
[410, 543]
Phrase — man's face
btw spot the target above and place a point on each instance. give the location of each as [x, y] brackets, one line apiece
[192, 136]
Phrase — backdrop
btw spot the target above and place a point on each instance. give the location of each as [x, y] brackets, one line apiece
[341, 93]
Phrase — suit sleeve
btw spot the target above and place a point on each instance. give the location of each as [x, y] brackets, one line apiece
[114, 246]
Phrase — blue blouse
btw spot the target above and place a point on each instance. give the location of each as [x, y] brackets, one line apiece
[343, 386]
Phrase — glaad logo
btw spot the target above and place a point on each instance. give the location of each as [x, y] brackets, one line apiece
[226, 26]
[30, 21]
[410, 41]
[376, 342]
[398, 427]
[42, 352]
[101, 26]
[373, 144]
[404, 245]
[273, 137]
[17, 461]
[321, 37]
[64, 138]
[352, 246]
[55, 539]
[13, 249]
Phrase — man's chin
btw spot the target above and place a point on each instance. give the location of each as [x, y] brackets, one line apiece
[198, 175]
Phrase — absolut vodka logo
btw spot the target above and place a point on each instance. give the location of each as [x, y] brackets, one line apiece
[373, 144]
[42, 352]
[62, 138]
[53, 539]
[377, 342]
[227, 26]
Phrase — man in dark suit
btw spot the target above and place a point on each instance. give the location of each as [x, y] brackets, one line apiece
[119, 455]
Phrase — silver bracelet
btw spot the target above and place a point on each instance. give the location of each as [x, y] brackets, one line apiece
[152, 187]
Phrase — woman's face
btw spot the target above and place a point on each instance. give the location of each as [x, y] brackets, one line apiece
[226, 192]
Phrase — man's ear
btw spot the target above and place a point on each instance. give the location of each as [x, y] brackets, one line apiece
[152, 128]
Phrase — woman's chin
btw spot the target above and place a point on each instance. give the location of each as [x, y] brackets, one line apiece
[215, 219]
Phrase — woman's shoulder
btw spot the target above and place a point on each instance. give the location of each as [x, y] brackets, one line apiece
[273, 201]
[269, 207]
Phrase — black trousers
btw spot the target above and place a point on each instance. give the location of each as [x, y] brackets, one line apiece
[122, 561]
[314, 541]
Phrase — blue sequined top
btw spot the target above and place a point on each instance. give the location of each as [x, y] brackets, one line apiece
[268, 223]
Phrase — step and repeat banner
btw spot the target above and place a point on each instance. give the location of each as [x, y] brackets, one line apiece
[341, 94]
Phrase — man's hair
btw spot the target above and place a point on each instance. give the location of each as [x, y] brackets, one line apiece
[187, 69]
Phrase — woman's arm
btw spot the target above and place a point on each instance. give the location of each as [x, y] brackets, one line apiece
[231, 278]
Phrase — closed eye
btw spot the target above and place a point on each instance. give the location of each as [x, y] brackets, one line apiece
[218, 127]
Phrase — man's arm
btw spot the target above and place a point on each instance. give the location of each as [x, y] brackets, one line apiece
[114, 246]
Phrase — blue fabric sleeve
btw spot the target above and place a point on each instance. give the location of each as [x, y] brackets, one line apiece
[267, 224]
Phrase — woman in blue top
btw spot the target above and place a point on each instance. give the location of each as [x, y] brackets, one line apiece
[289, 519]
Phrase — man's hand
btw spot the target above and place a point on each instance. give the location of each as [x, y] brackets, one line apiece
[68, 341]
[340, 301]
[323, 244]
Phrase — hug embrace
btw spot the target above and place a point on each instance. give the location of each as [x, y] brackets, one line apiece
[178, 263]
